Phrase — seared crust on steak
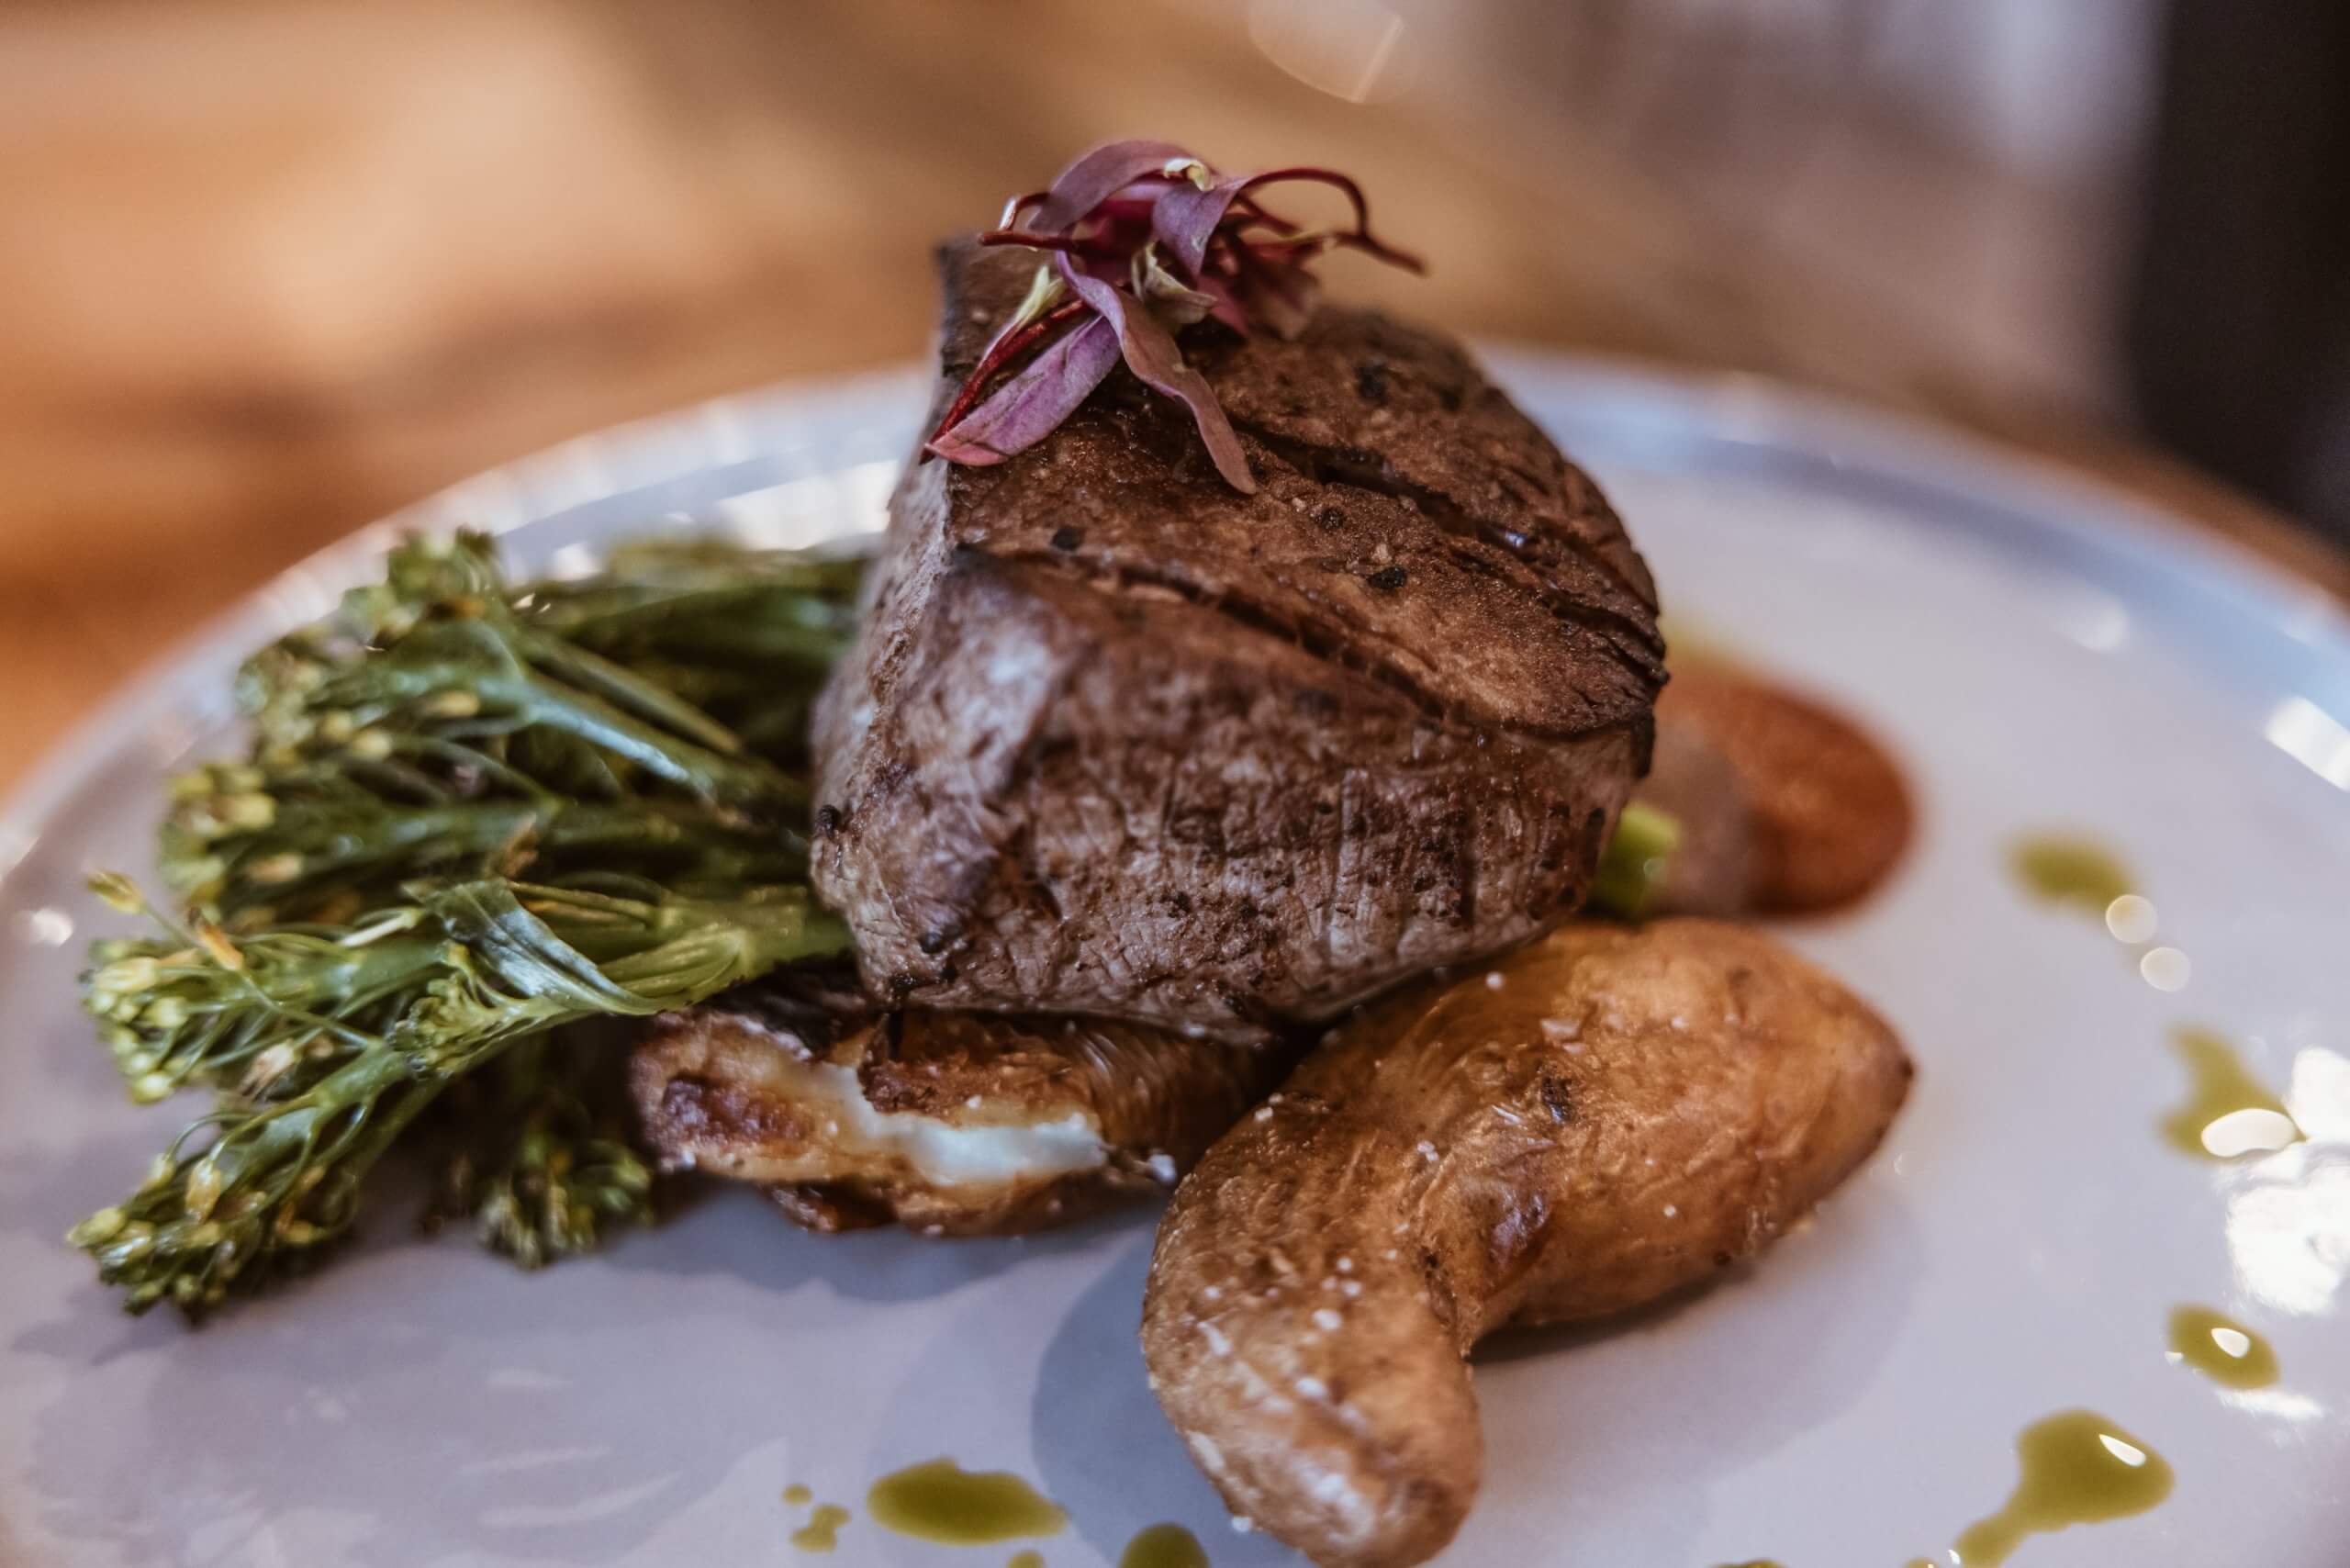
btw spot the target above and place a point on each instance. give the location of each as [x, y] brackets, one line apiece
[1118, 739]
[947, 1123]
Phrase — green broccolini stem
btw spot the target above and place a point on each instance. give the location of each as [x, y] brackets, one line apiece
[707, 604]
[361, 941]
[177, 1018]
[279, 1180]
[282, 1176]
[600, 677]
[357, 840]
[474, 697]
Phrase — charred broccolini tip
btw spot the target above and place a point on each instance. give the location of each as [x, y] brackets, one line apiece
[540, 1158]
[260, 1179]
[360, 932]
[258, 1015]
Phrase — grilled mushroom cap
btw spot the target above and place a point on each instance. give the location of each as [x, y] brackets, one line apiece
[947, 1123]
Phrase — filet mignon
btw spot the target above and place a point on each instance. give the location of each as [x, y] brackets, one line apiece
[1118, 739]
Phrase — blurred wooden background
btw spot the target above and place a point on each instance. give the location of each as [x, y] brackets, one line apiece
[268, 270]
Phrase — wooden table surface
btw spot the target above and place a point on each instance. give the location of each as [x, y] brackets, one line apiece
[270, 270]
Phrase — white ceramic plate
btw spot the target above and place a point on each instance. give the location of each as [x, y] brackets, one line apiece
[2044, 656]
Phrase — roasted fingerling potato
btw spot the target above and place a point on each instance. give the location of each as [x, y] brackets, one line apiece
[1602, 1118]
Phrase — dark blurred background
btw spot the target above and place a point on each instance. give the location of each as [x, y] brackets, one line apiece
[269, 269]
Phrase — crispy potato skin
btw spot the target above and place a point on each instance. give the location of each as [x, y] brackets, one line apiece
[1632, 1109]
[1828, 812]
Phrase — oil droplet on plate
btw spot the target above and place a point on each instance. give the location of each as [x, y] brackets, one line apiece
[2071, 871]
[2221, 1349]
[46, 927]
[1026, 1559]
[2077, 1469]
[2164, 969]
[941, 1501]
[2228, 1113]
[796, 1495]
[2132, 919]
[822, 1532]
[1164, 1546]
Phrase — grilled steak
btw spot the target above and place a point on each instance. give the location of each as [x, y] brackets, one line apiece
[1119, 740]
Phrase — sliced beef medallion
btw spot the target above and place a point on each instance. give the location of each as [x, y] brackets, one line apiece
[1118, 739]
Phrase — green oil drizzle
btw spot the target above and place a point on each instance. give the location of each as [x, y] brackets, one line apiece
[2071, 871]
[1164, 1546]
[822, 1532]
[2077, 1469]
[2228, 1113]
[941, 1501]
[1026, 1559]
[796, 1495]
[2223, 1350]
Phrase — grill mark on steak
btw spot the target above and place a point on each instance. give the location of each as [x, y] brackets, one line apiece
[1323, 641]
[1326, 641]
[1365, 470]
[1624, 620]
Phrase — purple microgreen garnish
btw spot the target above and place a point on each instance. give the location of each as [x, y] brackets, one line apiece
[1045, 291]
[1188, 215]
[1226, 307]
[1276, 290]
[1164, 292]
[1008, 343]
[1149, 239]
[1031, 406]
[1150, 353]
[1098, 176]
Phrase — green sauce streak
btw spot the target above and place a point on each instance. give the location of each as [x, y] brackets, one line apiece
[822, 1532]
[2225, 1351]
[2228, 1113]
[2078, 1469]
[940, 1501]
[1164, 1546]
[2071, 871]
[796, 1495]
